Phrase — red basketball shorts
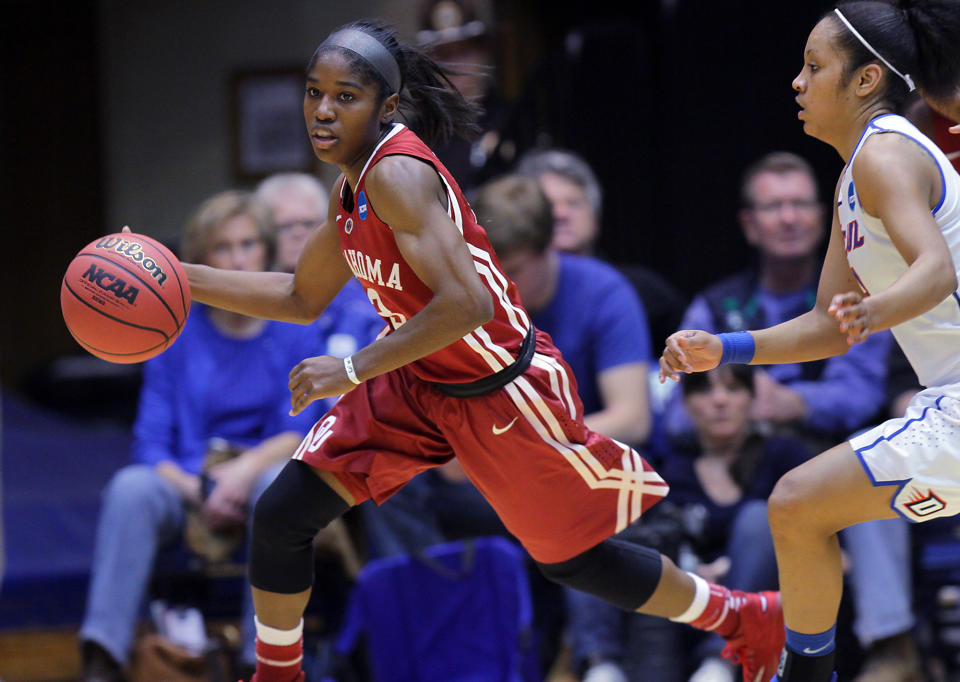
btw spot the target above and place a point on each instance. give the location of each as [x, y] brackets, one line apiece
[558, 487]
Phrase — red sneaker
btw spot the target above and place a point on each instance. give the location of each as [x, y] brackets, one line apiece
[758, 640]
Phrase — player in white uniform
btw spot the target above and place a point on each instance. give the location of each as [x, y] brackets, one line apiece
[919, 453]
[892, 263]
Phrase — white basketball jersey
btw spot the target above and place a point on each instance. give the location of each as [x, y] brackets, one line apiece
[931, 342]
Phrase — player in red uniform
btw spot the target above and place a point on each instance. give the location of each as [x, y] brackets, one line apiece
[458, 371]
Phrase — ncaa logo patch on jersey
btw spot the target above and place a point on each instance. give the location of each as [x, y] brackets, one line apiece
[924, 504]
[362, 205]
[851, 197]
[348, 226]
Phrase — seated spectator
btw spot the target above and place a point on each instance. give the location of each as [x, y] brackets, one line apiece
[221, 388]
[783, 219]
[577, 200]
[299, 204]
[588, 308]
[597, 320]
[721, 482]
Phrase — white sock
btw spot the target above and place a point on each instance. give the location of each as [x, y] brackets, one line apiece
[269, 635]
[700, 599]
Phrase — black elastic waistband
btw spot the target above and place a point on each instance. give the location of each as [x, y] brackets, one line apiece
[496, 381]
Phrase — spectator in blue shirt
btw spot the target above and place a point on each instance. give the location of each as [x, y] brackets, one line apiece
[783, 219]
[589, 309]
[597, 320]
[224, 381]
[299, 203]
[576, 198]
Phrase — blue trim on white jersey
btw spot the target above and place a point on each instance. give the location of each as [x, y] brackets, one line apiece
[900, 483]
[872, 124]
[876, 484]
[943, 182]
[935, 406]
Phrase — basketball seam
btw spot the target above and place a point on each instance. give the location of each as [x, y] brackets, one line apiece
[144, 282]
[91, 347]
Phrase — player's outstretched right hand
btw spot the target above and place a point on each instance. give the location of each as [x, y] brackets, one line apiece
[689, 350]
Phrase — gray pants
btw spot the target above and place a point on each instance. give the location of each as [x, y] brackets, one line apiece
[140, 512]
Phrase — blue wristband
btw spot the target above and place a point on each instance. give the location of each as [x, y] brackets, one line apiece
[738, 347]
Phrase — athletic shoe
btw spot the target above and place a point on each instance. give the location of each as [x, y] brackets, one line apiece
[759, 638]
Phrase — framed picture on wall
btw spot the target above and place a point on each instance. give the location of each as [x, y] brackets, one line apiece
[269, 133]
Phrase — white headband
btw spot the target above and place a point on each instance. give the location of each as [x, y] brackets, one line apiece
[905, 76]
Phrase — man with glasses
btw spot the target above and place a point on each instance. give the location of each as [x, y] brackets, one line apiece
[298, 202]
[783, 218]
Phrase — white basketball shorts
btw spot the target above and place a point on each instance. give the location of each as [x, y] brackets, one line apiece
[919, 453]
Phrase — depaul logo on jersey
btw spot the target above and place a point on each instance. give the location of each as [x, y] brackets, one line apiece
[851, 197]
[851, 236]
[362, 205]
[923, 505]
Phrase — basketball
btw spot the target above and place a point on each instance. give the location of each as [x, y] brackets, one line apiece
[125, 297]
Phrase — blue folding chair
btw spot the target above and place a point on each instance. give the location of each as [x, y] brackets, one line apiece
[457, 612]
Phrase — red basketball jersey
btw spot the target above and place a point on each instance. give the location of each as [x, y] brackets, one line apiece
[398, 294]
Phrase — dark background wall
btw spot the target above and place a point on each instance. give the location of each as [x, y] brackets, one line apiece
[120, 111]
[50, 158]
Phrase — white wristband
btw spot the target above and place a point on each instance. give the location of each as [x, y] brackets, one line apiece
[351, 374]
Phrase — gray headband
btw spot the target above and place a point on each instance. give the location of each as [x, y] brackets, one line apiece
[371, 51]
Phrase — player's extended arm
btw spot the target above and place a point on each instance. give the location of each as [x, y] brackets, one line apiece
[898, 182]
[812, 336]
[301, 297]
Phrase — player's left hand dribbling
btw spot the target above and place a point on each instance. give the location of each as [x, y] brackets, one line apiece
[316, 378]
[852, 314]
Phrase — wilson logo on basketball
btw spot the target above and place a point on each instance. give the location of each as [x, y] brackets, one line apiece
[134, 252]
[111, 283]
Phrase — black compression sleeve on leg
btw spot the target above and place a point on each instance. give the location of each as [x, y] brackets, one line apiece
[285, 520]
[620, 572]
